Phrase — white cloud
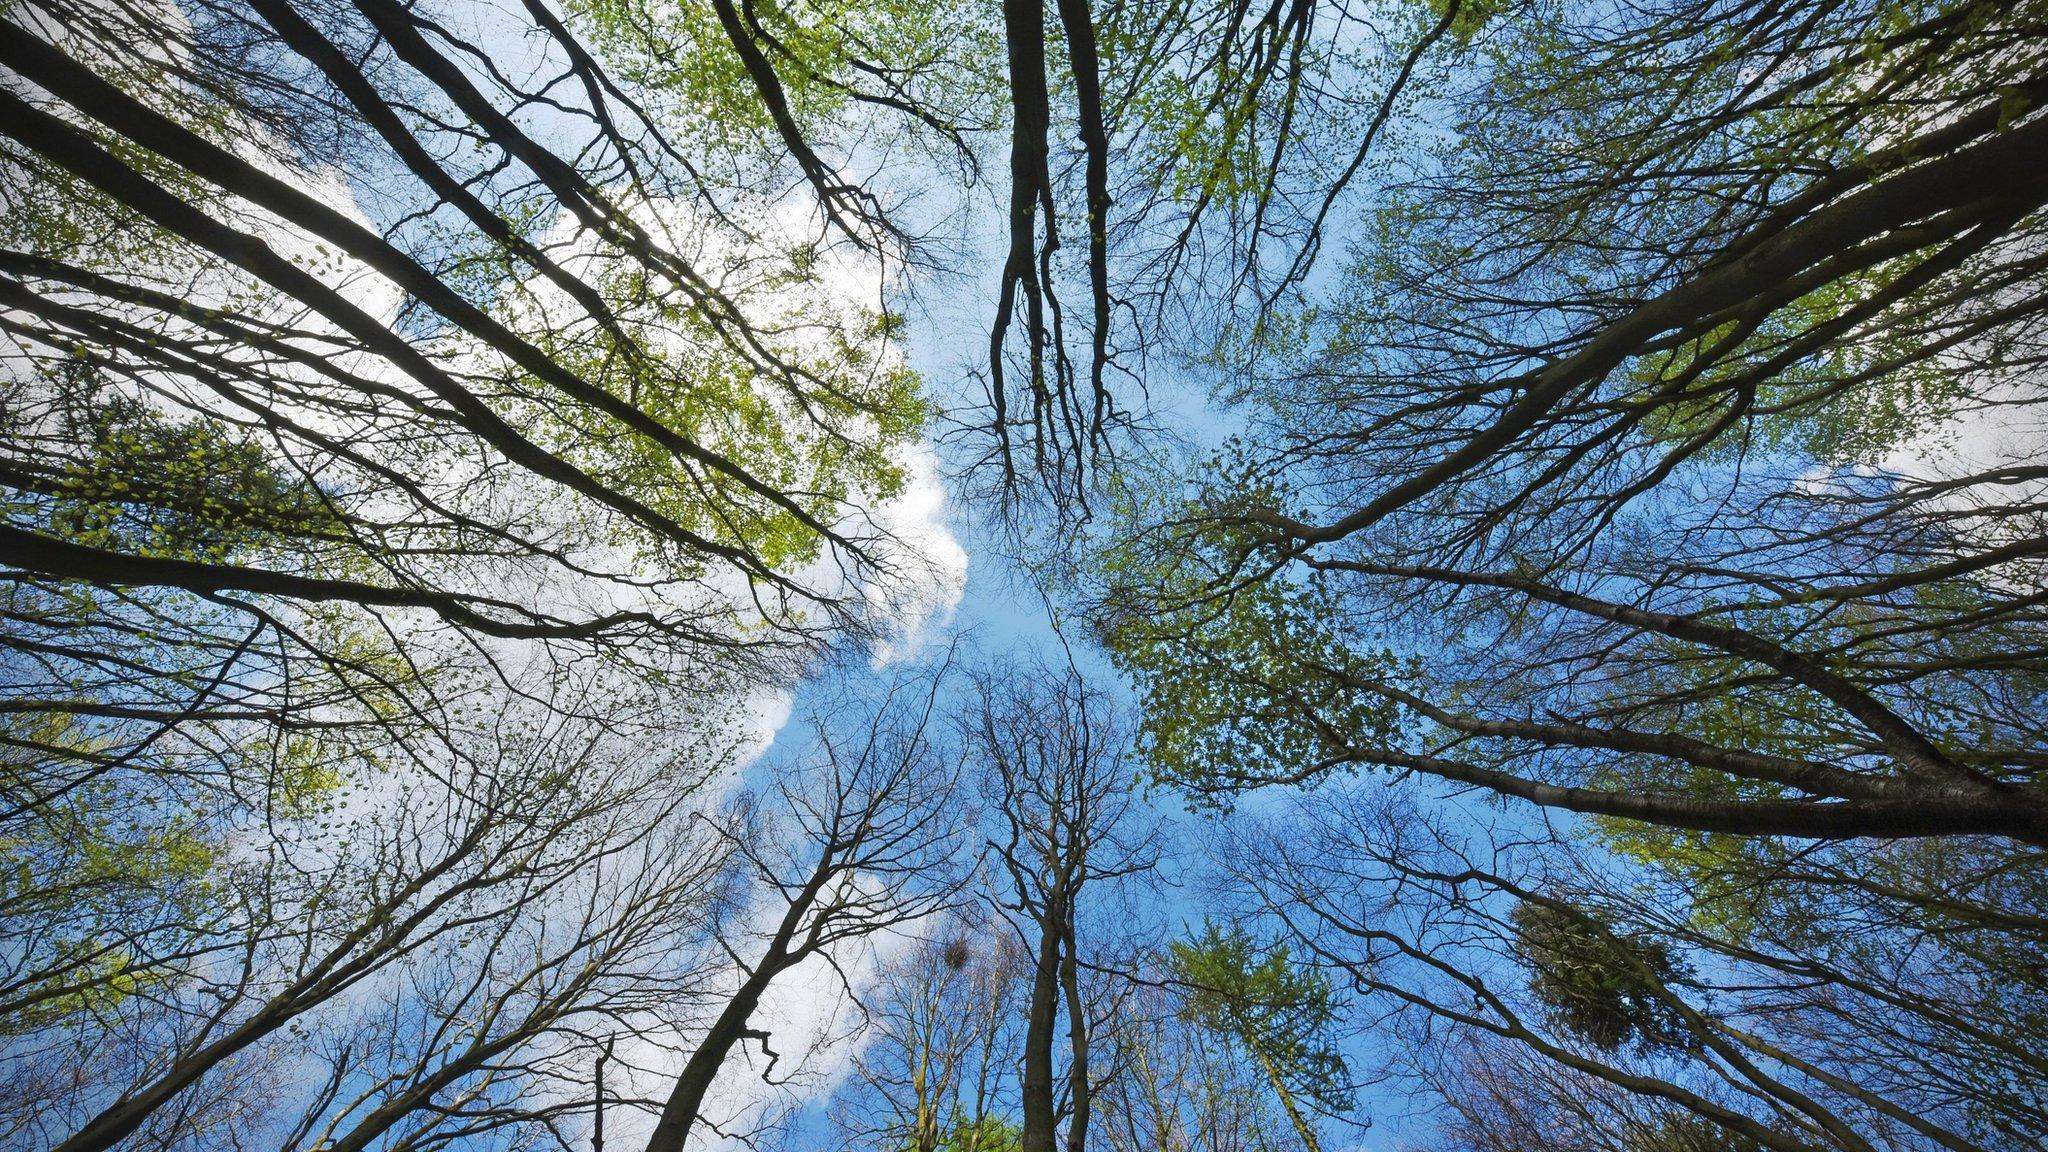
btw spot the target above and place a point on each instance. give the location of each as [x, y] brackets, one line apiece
[926, 595]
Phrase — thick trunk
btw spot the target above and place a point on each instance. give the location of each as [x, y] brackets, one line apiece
[679, 1115]
[1039, 1115]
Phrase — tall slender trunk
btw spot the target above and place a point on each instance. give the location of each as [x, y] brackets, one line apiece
[1301, 1125]
[1077, 1035]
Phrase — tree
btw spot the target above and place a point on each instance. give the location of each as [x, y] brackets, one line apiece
[1276, 1011]
[937, 1060]
[1598, 487]
[1611, 1011]
[505, 352]
[1052, 755]
[378, 427]
[1181, 1086]
[867, 847]
[419, 945]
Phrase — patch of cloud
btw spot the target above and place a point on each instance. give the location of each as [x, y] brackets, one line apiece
[921, 600]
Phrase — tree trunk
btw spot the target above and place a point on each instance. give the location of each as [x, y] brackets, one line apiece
[1301, 1125]
[1039, 1115]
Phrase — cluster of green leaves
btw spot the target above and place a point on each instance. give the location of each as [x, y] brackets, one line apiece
[1259, 998]
[1216, 108]
[1244, 665]
[1853, 400]
[828, 56]
[158, 485]
[84, 874]
[964, 1134]
[824, 426]
[1601, 986]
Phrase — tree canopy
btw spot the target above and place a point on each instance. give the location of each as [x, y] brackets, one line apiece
[1184, 575]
